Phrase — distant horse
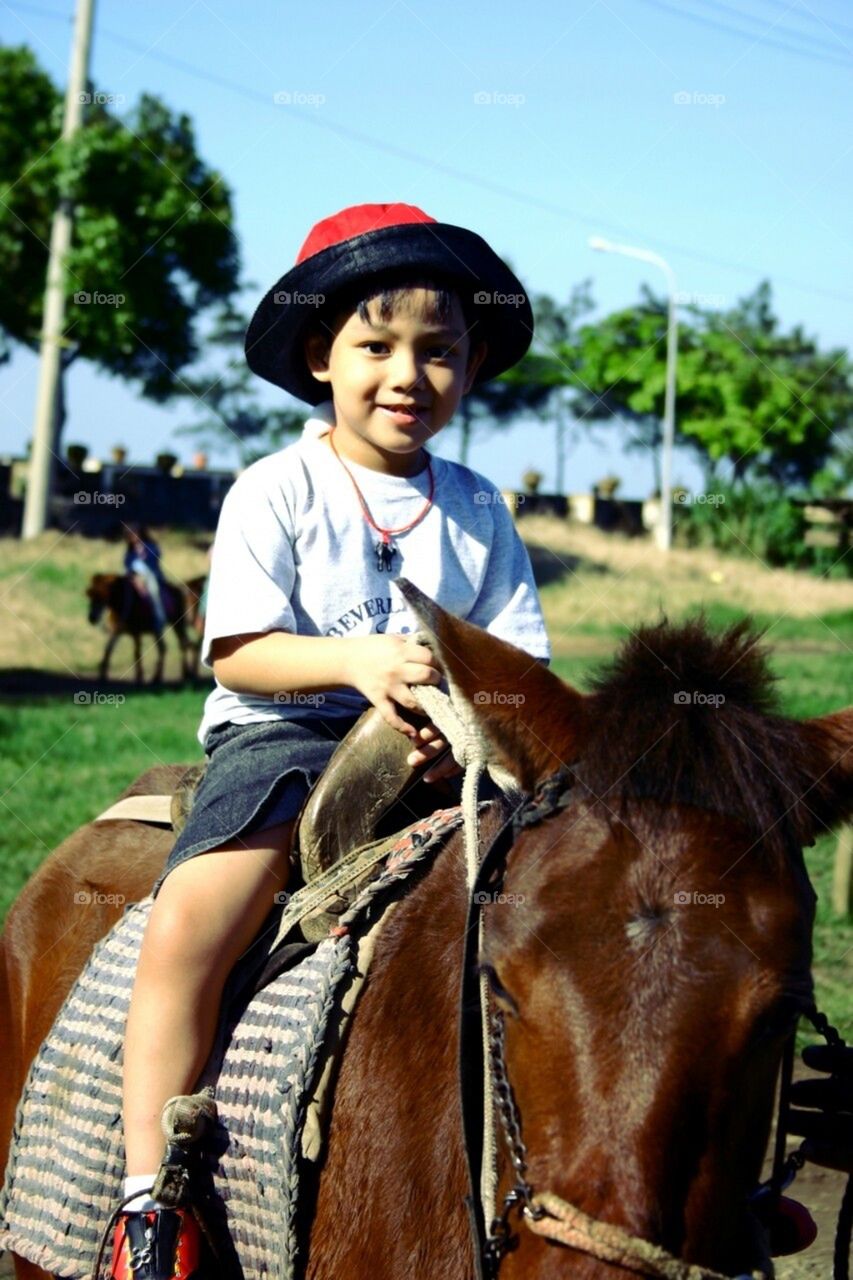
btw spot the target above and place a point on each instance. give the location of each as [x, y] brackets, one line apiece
[648, 956]
[129, 612]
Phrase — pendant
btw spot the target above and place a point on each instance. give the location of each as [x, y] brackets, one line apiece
[385, 552]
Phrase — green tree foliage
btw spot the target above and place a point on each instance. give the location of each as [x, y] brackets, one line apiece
[620, 371]
[770, 403]
[766, 403]
[30, 125]
[153, 244]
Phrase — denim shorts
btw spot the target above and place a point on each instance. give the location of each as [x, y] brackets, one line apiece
[257, 776]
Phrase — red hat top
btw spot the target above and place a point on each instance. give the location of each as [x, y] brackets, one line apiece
[355, 221]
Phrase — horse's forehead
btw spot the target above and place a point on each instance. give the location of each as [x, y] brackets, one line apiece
[586, 870]
[585, 845]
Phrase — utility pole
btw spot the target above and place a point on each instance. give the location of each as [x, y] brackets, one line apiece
[42, 456]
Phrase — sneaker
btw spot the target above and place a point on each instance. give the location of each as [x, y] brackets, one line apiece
[163, 1244]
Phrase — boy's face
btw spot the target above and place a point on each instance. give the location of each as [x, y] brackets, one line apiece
[413, 361]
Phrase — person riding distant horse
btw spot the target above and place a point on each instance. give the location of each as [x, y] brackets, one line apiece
[128, 612]
[142, 563]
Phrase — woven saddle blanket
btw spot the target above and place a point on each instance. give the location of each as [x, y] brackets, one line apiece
[66, 1168]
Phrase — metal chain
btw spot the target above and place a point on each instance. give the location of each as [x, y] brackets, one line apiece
[500, 1231]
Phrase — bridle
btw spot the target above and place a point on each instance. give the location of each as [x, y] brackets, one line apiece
[544, 1212]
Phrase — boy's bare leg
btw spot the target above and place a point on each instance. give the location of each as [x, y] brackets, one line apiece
[206, 914]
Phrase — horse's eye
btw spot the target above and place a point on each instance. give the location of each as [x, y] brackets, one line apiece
[497, 986]
[780, 1020]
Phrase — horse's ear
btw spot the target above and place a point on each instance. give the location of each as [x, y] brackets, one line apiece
[529, 718]
[829, 742]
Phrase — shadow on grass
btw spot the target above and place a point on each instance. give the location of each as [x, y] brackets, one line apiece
[548, 567]
[29, 682]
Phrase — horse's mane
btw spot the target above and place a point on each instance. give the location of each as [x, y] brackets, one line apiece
[686, 717]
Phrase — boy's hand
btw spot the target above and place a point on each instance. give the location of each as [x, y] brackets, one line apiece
[433, 748]
[382, 668]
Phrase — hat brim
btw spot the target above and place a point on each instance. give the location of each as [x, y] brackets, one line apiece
[274, 338]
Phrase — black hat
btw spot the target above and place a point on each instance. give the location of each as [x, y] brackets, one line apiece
[368, 242]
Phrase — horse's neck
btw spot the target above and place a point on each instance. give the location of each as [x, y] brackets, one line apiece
[394, 1103]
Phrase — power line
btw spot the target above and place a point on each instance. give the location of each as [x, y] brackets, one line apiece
[826, 60]
[808, 16]
[829, 45]
[483, 184]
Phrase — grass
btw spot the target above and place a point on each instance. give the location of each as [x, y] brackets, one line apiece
[65, 760]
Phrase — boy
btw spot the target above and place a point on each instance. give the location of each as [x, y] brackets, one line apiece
[386, 321]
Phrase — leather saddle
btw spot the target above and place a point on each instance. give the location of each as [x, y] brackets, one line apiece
[366, 790]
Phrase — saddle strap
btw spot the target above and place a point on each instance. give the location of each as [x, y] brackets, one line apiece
[155, 809]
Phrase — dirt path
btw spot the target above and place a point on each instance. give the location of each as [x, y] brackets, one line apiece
[820, 1190]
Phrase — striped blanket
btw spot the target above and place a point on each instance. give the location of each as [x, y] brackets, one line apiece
[66, 1168]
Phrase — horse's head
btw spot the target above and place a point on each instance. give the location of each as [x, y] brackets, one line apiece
[652, 945]
[99, 593]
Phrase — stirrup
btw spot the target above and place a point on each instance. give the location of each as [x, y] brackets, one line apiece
[157, 1244]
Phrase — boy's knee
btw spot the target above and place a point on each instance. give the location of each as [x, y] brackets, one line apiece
[216, 898]
[172, 933]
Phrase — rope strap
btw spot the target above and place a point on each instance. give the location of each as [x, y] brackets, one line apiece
[569, 1225]
[185, 1120]
[470, 750]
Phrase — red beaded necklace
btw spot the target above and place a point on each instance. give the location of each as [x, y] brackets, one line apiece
[385, 549]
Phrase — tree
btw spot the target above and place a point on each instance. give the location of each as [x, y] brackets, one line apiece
[235, 417]
[620, 366]
[764, 402]
[547, 378]
[767, 402]
[153, 244]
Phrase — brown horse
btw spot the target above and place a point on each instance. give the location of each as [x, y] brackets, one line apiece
[129, 612]
[650, 952]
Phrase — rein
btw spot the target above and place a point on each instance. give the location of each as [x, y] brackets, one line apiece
[543, 1212]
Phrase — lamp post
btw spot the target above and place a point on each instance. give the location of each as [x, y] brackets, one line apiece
[664, 529]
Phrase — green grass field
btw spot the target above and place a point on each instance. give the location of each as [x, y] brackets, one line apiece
[64, 759]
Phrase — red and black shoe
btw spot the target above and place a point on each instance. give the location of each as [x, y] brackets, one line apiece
[160, 1244]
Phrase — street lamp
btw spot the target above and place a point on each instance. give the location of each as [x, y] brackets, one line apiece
[664, 529]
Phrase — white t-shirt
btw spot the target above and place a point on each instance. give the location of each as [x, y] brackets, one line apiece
[293, 552]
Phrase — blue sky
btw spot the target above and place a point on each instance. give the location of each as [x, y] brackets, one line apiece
[716, 134]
